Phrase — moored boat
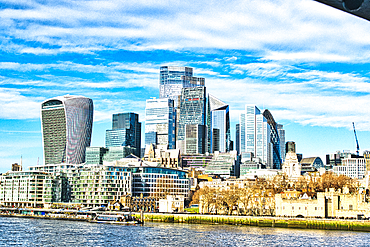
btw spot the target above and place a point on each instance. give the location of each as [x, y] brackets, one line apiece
[120, 219]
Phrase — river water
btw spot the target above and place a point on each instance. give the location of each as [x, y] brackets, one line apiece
[40, 232]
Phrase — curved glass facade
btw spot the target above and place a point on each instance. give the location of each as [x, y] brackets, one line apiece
[66, 129]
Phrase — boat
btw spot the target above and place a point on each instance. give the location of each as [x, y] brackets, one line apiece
[118, 219]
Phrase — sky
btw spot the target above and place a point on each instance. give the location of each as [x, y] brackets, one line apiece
[305, 62]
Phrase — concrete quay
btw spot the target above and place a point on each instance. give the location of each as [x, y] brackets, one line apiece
[297, 223]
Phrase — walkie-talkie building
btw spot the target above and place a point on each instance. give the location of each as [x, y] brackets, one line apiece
[66, 129]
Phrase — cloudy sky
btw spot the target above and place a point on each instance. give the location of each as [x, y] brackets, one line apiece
[304, 61]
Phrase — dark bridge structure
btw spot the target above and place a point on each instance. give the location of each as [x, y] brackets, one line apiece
[360, 8]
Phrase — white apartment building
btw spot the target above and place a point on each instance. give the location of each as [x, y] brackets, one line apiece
[352, 167]
[27, 188]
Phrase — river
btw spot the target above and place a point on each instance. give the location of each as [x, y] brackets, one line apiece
[41, 232]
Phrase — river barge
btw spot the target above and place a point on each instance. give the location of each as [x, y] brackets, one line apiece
[118, 219]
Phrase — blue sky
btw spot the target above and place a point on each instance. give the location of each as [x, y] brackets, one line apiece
[304, 61]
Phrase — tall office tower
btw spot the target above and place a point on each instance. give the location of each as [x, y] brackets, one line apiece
[281, 132]
[173, 79]
[192, 111]
[255, 135]
[274, 139]
[219, 117]
[160, 122]
[126, 131]
[195, 139]
[237, 138]
[66, 129]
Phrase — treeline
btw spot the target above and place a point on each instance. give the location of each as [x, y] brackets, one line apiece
[258, 197]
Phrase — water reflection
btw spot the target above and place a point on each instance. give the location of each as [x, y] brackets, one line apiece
[37, 232]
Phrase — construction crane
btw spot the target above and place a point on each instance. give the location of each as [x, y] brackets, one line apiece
[358, 146]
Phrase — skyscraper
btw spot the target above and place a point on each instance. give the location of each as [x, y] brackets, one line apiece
[259, 134]
[192, 111]
[255, 135]
[126, 131]
[275, 139]
[173, 79]
[66, 129]
[219, 118]
[237, 138]
[195, 139]
[281, 132]
[160, 122]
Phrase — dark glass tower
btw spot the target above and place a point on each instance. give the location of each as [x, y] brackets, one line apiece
[126, 131]
[218, 119]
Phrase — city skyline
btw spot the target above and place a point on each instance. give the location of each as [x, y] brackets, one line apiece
[303, 61]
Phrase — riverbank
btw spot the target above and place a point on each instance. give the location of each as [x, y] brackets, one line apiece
[298, 223]
[59, 217]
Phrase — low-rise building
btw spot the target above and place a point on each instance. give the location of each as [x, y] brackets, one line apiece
[292, 167]
[224, 164]
[197, 161]
[220, 184]
[260, 173]
[171, 204]
[146, 204]
[68, 174]
[169, 158]
[28, 189]
[98, 185]
[329, 204]
[351, 167]
[311, 164]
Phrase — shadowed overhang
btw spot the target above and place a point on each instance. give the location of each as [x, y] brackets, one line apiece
[360, 8]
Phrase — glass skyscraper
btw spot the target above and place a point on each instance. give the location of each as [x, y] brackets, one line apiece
[281, 133]
[160, 122]
[259, 134]
[195, 139]
[255, 134]
[173, 79]
[66, 129]
[237, 138]
[219, 120]
[192, 111]
[126, 131]
[276, 137]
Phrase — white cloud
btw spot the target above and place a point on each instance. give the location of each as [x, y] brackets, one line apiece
[307, 56]
[296, 102]
[287, 30]
[14, 105]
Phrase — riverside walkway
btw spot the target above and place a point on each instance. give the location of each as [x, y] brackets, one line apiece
[280, 222]
[299, 223]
